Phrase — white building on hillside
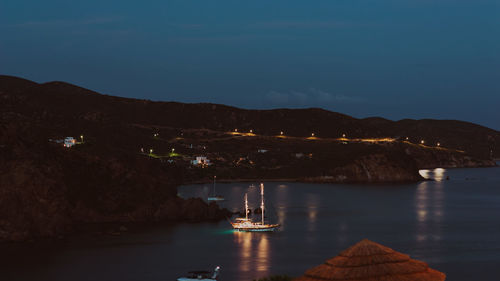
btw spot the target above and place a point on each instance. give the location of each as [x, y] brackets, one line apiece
[201, 161]
[69, 142]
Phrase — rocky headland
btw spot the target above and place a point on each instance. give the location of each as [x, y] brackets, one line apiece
[130, 155]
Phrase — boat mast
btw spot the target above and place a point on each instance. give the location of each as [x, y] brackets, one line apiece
[262, 201]
[246, 206]
[214, 184]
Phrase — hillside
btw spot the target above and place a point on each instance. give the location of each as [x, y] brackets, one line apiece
[133, 153]
[78, 104]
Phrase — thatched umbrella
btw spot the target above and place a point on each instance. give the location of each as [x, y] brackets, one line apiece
[370, 261]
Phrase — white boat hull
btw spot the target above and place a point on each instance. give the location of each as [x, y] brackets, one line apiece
[216, 199]
[269, 229]
[249, 226]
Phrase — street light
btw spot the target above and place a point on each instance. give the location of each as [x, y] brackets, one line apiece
[312, 135]
[81, 137]
[173, 149]
[422, 142]
[251, 131]
[438, 144]
[343, 135]
[281, 133]
[150, 151]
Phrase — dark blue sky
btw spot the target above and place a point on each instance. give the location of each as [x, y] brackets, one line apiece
[396, 59]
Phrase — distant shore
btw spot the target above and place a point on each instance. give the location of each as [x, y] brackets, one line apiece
[326, 179]
[244, 180]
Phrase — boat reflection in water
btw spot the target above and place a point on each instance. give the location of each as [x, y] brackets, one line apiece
[429, 210]
[254, 252]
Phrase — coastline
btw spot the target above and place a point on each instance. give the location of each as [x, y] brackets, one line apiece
[330, 179]
[318, 180]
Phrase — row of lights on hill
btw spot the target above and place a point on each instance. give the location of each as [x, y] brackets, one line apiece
[437, 144]
[151, 150]
[344, 136]
[282, 133]
[312, 135]
[236, 130]
[423, 142]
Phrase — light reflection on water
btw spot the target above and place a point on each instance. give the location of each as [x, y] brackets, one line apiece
[312, 202]
[282, 196]
[450, 224]
[254, 252]
[342, 233]
[263, 261]
[429, 209]
[429, 205]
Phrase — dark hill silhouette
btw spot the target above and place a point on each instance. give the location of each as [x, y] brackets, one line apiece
[74, 102]
[47, 190]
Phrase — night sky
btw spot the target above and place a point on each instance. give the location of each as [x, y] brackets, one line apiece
[395, 59]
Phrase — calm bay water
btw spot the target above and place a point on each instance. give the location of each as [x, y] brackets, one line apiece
[454, 225]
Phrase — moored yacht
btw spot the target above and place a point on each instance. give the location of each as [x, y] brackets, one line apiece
[247, 224]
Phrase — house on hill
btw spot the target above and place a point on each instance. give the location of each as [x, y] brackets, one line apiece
[69, 142]
[201, 161]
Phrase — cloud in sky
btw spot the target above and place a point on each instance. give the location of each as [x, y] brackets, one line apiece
[308, 24]
[66, 22]
[310, 97]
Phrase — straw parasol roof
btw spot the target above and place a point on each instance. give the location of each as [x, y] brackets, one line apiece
[370, 261]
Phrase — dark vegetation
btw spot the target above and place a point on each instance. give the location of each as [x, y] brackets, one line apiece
[45, 189]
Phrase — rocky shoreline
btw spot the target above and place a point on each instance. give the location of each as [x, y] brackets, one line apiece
[190, 210]
[369, 170]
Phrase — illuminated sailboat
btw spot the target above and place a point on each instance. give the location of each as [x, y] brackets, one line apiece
[247, 224]
[215, 197]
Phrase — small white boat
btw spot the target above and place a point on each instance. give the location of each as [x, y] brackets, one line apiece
[246, 224]
[201, 275]
[215, 197]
